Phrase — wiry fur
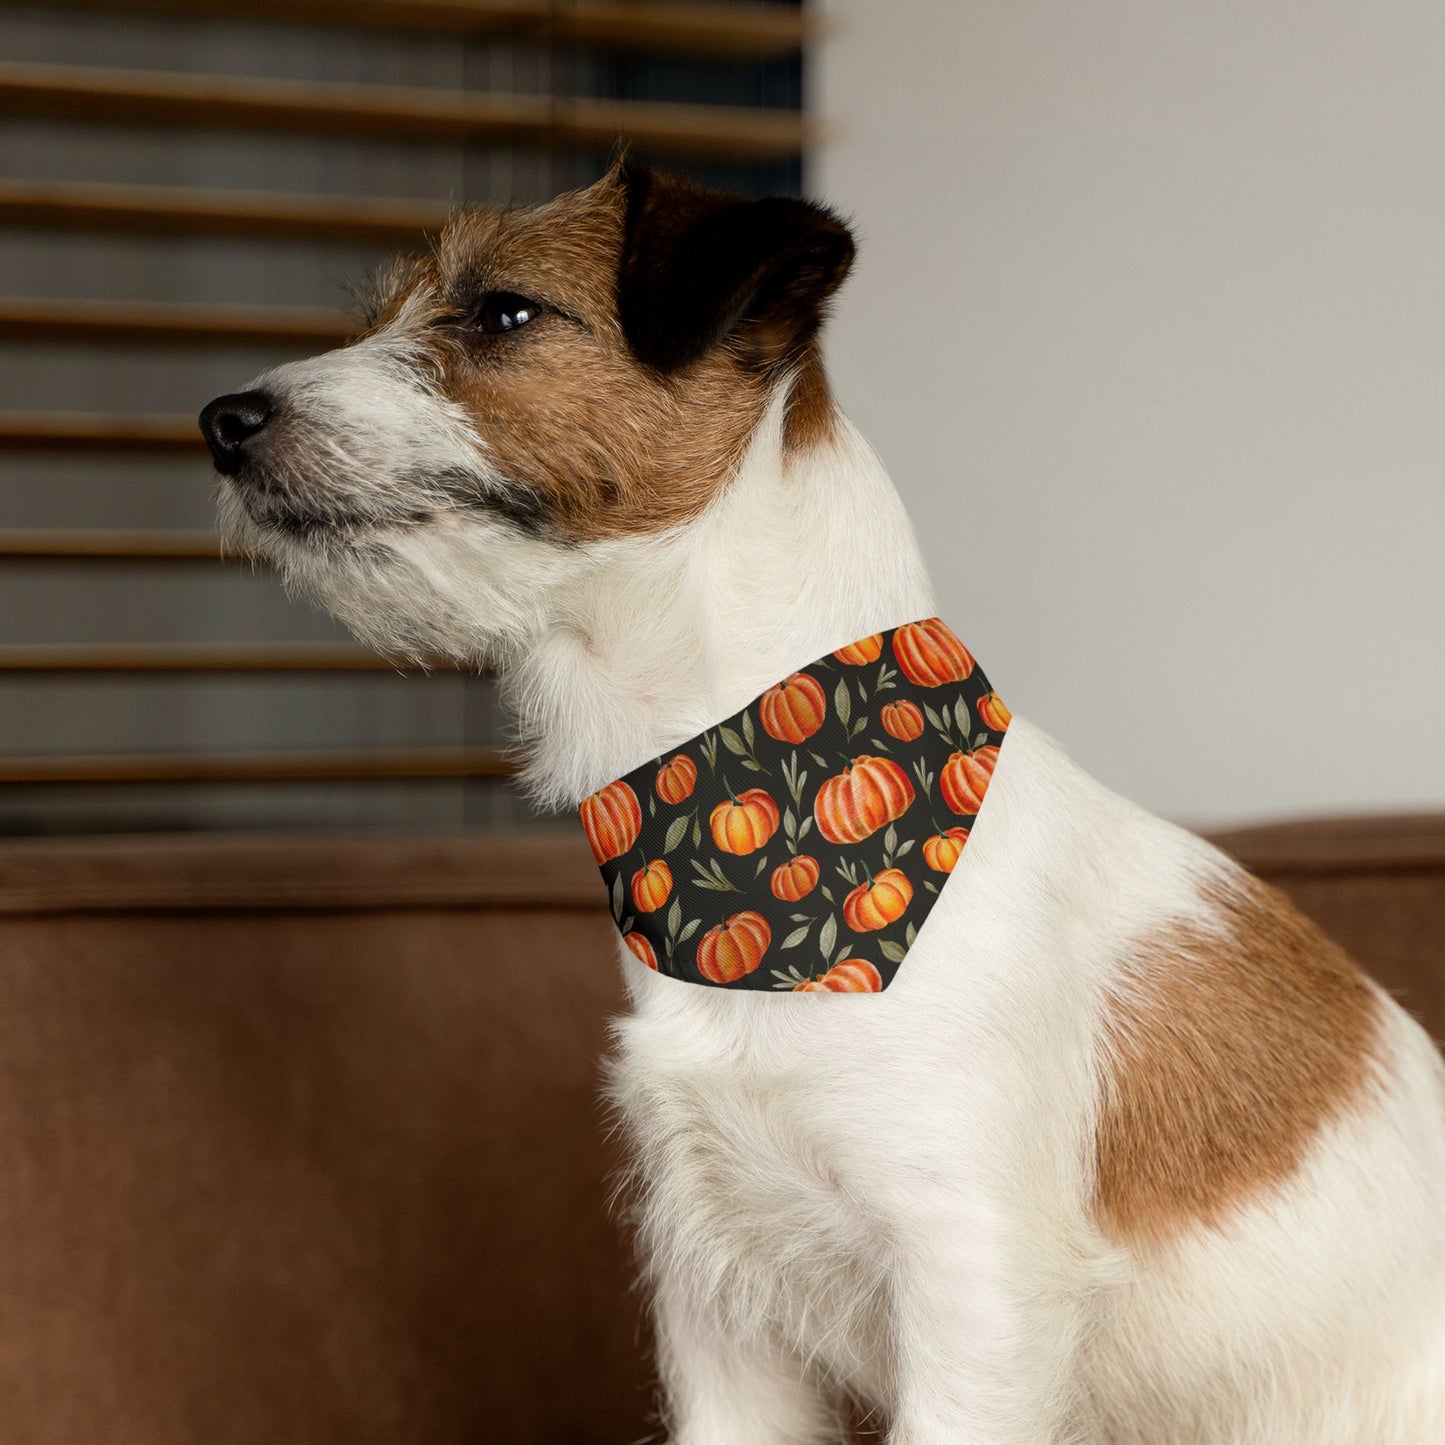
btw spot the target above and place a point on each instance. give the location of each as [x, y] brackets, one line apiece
[896, 1195]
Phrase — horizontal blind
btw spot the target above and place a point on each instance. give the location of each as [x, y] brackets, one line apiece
[186, 187]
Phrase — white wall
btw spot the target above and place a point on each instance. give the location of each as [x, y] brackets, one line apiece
[1149, 324]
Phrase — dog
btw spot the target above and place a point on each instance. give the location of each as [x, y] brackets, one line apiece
[1127, 1153]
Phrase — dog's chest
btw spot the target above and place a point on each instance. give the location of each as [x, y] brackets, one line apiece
[753, 1181]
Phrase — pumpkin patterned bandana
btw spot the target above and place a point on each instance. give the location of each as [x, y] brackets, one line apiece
[800, 844]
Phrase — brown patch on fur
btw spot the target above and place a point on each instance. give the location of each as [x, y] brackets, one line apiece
[1227, 1053]
[812, 416]
[383, 298]
[605, 445]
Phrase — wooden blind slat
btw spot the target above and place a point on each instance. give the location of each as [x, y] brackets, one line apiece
[173, 211]
[755, 32]
[78, 431]
[227, 103]
[172, 323]
[271, 766]
[172, 657]
[218, 102]
[82, 544]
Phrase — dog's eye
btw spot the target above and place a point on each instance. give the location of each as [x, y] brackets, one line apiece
[504, 311]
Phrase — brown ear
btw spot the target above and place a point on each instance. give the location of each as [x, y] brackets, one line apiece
[699, 266]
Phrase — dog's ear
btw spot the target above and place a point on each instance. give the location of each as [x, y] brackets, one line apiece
[700, 266]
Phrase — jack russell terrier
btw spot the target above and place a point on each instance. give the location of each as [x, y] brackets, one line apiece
[1117, 1148]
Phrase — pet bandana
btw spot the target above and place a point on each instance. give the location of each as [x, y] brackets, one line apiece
[800, 844]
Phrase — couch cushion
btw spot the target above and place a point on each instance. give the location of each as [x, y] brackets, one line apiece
[1376, 885]
[302, 1138]
[302, 1143]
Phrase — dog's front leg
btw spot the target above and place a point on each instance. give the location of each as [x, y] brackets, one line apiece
[723, 1386]
[985, 1337]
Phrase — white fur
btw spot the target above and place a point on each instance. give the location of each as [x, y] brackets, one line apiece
[890, 1194]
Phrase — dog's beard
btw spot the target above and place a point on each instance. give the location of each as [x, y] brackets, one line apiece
[449, 574]
[317, 488]
[318, 500]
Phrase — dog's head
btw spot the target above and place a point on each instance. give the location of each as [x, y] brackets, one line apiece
[545, 382]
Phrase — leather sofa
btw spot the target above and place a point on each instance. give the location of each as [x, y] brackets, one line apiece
[302, 1139]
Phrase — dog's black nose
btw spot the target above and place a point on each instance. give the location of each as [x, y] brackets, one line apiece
[229, 422]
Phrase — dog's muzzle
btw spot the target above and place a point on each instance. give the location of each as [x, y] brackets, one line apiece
[231, 422]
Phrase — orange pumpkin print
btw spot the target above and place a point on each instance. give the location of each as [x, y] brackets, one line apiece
[964, 778]
[854, 767]
[878, 902]
[734, 948]
[651, 886]
[866, 796]
[612, 818]
[930, 655]
[676, 779]
[902, 720]
[992, 713]
[850, 975]
[794, 710]
[641, 949]
[943, 850]
[795, 879]
[858, 653]
[743, 824]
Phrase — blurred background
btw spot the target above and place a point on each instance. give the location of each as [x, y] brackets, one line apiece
[1146, 323]
[1149, 324]
[188, 193]
[301, 1009]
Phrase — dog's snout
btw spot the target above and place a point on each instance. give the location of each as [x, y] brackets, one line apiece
[229, 422]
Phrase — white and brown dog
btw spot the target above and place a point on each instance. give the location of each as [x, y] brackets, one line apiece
[1128, 1153]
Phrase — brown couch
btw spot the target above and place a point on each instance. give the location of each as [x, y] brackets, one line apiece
[302, 1141]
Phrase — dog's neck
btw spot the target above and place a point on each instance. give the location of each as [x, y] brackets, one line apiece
[801, 554]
